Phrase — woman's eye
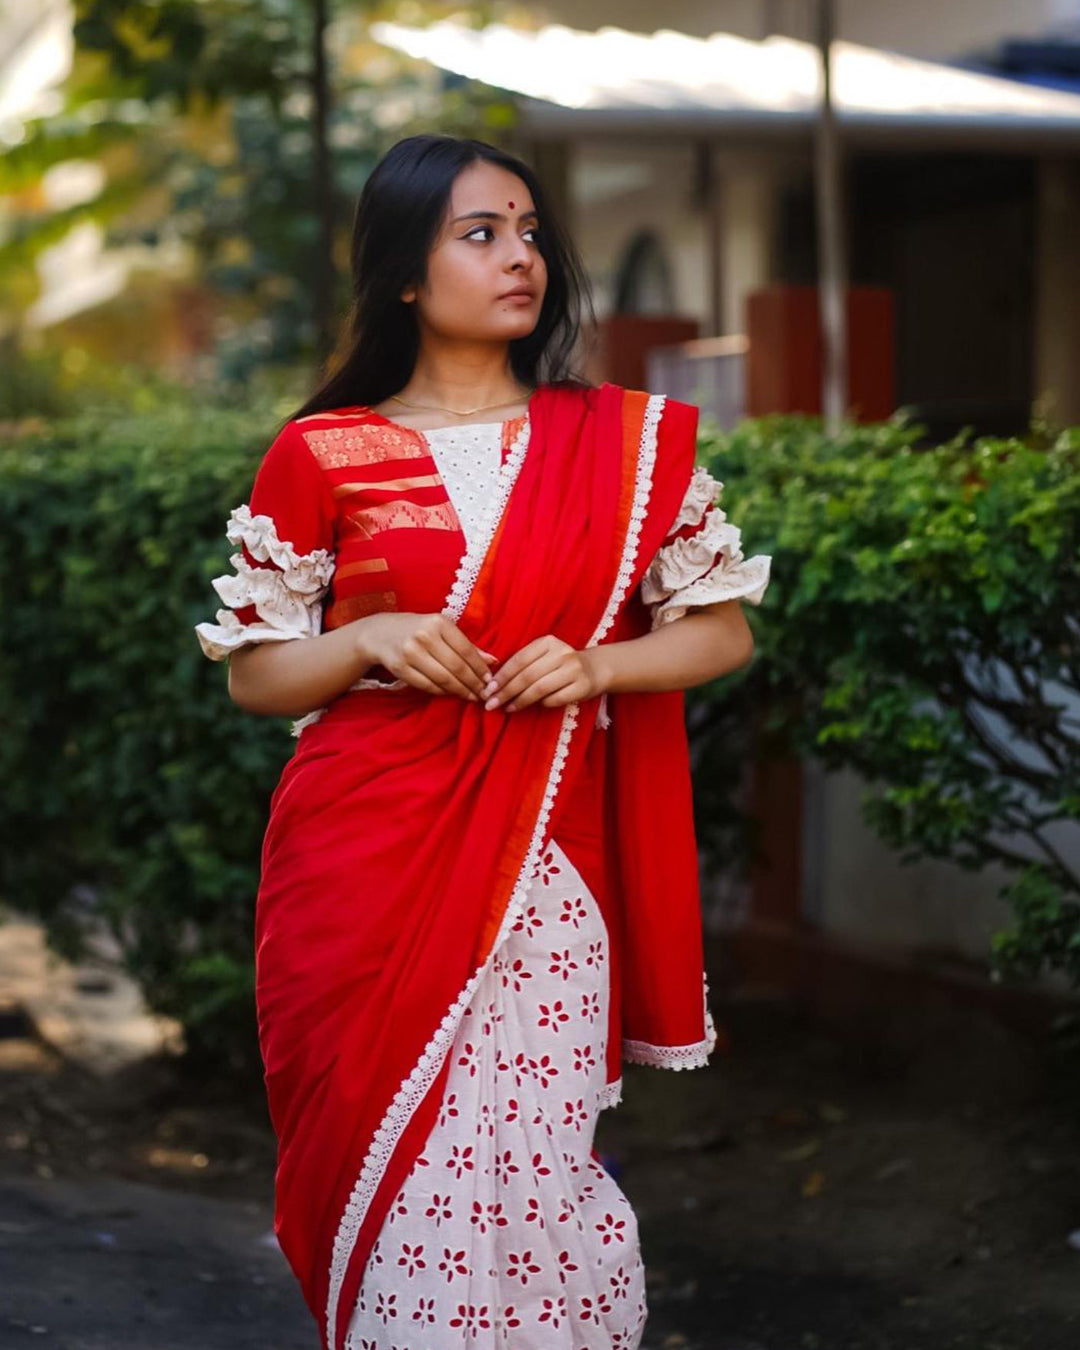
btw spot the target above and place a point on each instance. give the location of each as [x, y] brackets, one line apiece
[475, 234]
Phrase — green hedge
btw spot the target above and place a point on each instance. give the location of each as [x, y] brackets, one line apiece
[922, 626]
[134, 788]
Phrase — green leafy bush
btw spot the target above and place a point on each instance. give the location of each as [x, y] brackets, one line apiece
[135, 791]
[921, 627]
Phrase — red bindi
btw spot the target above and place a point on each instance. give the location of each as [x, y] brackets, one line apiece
[511, 205]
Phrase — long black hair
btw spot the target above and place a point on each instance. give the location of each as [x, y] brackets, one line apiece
[401, 207]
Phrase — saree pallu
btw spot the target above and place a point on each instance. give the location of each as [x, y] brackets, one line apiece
[406, 829]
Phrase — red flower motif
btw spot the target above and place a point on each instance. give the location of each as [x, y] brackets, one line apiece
[454, 1263]
[554, 1310]
[519, 1266]
[576, 1113]
[412, 1259]
[504, 1165]
[425, 1311]
[439, 1209]
[552, 1015]
[461, 1160]
[574, 911]
[543, 1070]
[611, 1229]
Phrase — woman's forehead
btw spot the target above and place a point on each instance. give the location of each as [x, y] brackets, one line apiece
[489, 187]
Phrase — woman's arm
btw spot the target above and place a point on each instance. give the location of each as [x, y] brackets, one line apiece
[293, 677]
[694, 649]
[702, 644]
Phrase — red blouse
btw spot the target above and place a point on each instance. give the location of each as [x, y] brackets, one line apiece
[349, 515]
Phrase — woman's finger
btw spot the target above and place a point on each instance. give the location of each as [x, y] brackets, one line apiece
[448, 683]
[413, 677]
[573, 692]
[540, 665]
[463, 657]
[546, 684]
[459, 666]
[520, 659]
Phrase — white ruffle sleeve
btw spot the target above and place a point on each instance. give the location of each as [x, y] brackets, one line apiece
[287, 596]
[705, 565]
[285, 557]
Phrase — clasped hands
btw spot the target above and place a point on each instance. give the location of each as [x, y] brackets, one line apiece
[430, 652]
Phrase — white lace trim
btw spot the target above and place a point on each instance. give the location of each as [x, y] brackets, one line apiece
[693, 1056]
[610, 1094]
[471, 560]
[413, 1090]
[642, 490]
[287, 596]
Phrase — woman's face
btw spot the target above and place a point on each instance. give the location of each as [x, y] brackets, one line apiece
[475, 261]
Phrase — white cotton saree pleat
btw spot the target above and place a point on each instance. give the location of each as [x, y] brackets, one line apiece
[508, 1234]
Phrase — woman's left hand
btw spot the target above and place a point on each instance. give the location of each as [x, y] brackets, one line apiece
[548, 671]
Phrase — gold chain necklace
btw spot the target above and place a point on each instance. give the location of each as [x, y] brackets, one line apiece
[458, 412]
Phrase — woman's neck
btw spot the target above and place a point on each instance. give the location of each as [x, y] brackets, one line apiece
[423, 406]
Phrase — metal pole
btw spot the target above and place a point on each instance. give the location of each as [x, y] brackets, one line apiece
[832, 266]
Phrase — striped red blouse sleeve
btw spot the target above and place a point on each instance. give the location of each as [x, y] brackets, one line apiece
[700, 561]
[285, 553]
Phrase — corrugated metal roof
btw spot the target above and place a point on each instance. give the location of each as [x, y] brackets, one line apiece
[615, 79]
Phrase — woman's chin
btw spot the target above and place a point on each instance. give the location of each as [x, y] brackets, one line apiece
[518, 325]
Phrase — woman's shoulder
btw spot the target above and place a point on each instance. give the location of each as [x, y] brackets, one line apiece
[351, 412]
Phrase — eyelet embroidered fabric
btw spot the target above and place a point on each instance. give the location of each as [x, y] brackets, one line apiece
[507, 1232]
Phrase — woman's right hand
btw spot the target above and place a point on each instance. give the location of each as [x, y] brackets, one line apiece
[428, 651]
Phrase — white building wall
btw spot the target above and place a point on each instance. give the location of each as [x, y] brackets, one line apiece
[858, 890]
[619, 190]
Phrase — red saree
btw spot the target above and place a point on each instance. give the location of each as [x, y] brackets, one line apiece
[406, 828]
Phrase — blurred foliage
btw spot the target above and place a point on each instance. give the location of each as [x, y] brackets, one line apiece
[60, 381]
[200, 117]
[136, 792]
[921, 627]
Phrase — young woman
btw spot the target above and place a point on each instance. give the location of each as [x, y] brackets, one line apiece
[479, 877]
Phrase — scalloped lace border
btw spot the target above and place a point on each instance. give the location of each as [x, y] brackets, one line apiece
[693, 1056]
